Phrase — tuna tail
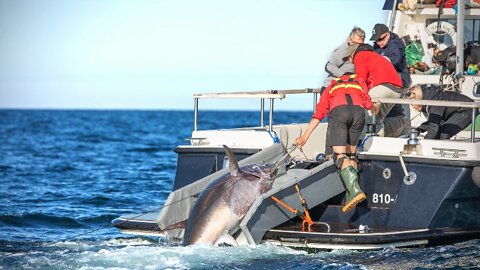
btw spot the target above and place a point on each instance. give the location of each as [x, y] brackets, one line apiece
[232, 161]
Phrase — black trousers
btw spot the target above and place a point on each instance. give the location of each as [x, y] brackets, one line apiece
[454, 124]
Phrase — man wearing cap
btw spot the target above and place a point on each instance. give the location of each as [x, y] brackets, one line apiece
[391, 46]
[388, 44]
[380, 75]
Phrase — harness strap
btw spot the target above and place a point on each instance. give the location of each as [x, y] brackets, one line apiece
[339, 161]
[354, 158]
[350, 106]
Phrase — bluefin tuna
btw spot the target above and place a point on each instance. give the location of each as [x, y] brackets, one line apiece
[223, 204]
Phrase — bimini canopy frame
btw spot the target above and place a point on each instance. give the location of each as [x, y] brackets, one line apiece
[271, 95]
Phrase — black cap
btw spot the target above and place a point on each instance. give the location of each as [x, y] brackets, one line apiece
[378, 30]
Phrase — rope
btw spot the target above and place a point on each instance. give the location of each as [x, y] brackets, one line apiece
[274, 136]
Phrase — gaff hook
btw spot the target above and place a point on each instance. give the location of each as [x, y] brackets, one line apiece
[291, 149]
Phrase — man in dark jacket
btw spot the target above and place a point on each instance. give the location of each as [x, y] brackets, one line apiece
[442, 122]
[388, 44]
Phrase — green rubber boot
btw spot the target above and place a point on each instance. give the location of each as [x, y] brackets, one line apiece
[354, 194]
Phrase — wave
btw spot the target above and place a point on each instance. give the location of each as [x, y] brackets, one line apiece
[5, 168]
[61, 168]
[38, 220]
[96, 200]
[153, 253]
[148, 149]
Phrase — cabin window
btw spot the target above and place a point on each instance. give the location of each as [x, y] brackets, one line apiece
[472, 30]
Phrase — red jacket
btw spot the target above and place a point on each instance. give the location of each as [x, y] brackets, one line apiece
[375, 69]
[334, 95]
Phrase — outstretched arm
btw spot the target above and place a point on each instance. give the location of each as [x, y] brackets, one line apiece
[302, 140]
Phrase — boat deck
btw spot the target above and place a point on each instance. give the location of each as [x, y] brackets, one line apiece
[347, 236]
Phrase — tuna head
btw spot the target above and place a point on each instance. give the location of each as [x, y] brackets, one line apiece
[266, 172]
[226, 200]
[264, 175]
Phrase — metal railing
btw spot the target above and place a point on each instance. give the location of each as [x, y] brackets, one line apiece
[473, 105]
[271, 95]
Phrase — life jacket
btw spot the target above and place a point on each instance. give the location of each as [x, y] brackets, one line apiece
[351, 82]
[348, 90]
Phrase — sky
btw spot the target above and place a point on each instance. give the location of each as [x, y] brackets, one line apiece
[145, 54]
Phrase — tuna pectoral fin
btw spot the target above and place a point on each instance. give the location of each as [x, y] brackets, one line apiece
[178, 225]
[226, 239]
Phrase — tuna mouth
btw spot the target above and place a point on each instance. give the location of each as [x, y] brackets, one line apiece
[267, 171]
[274, 172]
[270, 171]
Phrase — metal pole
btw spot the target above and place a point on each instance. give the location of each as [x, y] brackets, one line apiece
[460, 38]
[392, 15]
[270, 120]
[195, 114]
[474, 110]
[262, 112]
[315, 98]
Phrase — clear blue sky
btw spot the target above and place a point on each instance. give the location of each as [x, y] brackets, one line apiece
[140, 54]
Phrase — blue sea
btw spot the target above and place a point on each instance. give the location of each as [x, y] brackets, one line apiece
[64, 175]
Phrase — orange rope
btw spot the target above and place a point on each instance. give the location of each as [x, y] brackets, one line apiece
[307, 219]
[293, 210]
[305, 216]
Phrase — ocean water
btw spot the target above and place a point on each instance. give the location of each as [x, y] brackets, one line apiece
[64, 175]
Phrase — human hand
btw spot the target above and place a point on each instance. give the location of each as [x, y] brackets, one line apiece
[375, 108]
[423, 127]
[421, 66]
[300, 141]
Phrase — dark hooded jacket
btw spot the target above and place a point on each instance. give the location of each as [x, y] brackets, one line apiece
[395, 51]
[436, 114]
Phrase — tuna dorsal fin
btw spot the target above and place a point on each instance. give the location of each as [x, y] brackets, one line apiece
[232, 161]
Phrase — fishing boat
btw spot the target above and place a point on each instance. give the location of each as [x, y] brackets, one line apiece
[420, 192]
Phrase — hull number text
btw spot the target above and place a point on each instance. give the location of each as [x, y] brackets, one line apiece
[383, 198]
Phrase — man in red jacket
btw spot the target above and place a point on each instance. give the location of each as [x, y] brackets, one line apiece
[380, 75]
[346, 99]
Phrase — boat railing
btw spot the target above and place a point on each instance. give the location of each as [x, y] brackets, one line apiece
[271, 95]
[442, 103]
